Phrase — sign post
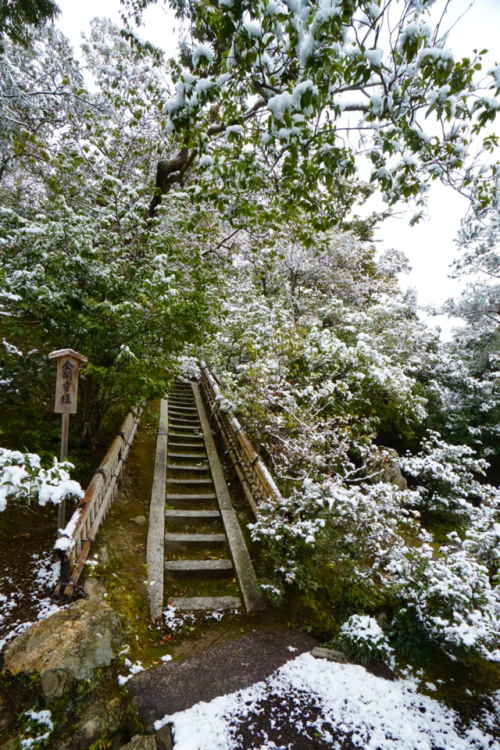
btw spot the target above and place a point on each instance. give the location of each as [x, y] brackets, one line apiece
[68, 365]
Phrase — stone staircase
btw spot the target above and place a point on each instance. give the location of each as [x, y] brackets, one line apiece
[203, 546]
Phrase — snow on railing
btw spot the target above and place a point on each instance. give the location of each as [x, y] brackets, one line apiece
[257, 482]
[76, 538]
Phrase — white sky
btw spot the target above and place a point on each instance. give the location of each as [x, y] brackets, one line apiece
[429, 245]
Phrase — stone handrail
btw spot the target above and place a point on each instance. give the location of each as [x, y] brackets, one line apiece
[76, 541]
[257, 482]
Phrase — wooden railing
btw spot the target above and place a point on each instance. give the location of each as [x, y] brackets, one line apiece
[93, 508]
[257, 482]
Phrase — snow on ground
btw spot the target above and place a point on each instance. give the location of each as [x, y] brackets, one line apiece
[332, 705]
[21, 608]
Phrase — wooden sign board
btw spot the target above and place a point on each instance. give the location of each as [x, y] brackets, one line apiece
[68, 365]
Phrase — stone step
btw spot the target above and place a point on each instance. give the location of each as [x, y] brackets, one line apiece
[189, 467]
[183, 435]
[186, 455]
[189, 481]
[187, 445]
[192, 517]
[192, 498]
[191, 603]
[179, 541]
[212, 569]
[184, 420]
[191, 413]
[187, 430]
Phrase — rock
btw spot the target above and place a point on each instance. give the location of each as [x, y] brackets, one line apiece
[164, 740]
[94, 589]
[119, 740]
[91, 731]
[66, 646]
[139, 520]
[10, 745]
[379, 669]
[331, 655]
[141, 743]
[102, 724]
[382, 465]
[103, 552]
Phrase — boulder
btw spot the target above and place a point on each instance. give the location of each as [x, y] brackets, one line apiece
[139, 520]
[164, 740]
[94, 589]
[68, 645]
[382, 465]
[140, 742]
[331, 655]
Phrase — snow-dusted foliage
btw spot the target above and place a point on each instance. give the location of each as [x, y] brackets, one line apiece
[473, 354]
[321, 355]
[286, 96]
[23, 478]
[451, 596]
[81, 264]
[363, 637]
[319, 344]
[38, 730]
[448, 476]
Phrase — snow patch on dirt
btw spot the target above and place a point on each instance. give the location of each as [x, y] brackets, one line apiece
[349, 702]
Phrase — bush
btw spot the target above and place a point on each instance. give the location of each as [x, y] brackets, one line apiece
[362, 637]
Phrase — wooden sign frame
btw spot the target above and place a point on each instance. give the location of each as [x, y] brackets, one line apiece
[68, 366]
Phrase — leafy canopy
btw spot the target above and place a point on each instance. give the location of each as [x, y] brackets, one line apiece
[18, 17]
[288, 99]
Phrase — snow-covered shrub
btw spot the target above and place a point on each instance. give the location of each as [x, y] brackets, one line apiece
[482, 538]
[189, 367]
[362, 637]
[39, 728]
[335, 536]
[22, 477]
[447, 475]
[450, 597]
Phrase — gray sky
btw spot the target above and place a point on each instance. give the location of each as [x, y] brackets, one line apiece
[429, 245]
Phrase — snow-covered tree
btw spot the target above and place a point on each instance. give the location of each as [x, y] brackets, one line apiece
[283, 98]
[324, 358]
[81, 264]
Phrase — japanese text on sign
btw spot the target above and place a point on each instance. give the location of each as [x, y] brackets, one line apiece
[67, 385]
